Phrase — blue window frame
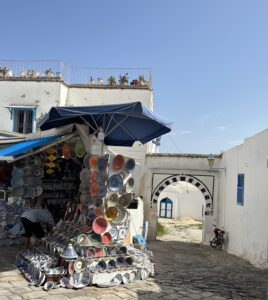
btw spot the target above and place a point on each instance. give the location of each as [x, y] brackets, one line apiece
[23, 120]
[240, 189]
[166, 207]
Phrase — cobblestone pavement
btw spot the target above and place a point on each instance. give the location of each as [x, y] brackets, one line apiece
[183, 271]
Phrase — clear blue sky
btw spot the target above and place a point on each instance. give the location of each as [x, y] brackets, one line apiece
[209, 58]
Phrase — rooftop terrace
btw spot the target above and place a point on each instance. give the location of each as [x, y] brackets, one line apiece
[54, 70]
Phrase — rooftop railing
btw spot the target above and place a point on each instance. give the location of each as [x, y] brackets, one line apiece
[57, 70]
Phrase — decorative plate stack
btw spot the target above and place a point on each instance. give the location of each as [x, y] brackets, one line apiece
[95, 247]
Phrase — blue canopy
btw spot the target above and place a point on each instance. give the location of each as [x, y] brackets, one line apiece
[122, 124]
[24, 147]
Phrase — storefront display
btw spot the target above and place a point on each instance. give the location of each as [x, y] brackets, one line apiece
[91, 245]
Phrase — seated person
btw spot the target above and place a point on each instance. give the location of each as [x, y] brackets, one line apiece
[32, 220]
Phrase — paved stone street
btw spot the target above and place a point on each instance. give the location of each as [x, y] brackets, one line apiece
[183, 271]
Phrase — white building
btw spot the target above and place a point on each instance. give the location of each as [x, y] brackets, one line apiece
[243, 209]
[28, 89]
[234, 189]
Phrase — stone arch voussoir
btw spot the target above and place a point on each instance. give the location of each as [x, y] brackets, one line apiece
[186, 178]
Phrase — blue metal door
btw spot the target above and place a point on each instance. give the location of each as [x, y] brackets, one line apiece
[166, 207]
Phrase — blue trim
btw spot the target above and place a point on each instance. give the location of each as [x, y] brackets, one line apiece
[240, 189]
[24, 147]
[13, 116]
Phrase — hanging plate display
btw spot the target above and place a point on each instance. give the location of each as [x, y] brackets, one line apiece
[27, 171]
[113, 231]
[17, 172]
[86, 161]
[85, 175]
[98, 202]
[51, 150]
[94, 189]
[49, 171]
[18, 191]
[115, 183]
[51, 157]
[102, 164]
[99, 225]
[121, 217]
[99, 211]
[51, 164]
[91, 214]
[37, 172]
[125, 200]
[112, 200]
[93, 176]
[85, 198]
[118, 162]
[102, 191]
[37, 191]
[93, 161]
[80, 149]
[129, 185]
[130, 165]
[122, 233]
[110, 213]
[17, 181]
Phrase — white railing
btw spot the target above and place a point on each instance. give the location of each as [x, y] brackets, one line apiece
[55, 69]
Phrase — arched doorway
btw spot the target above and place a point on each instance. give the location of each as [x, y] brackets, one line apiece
[181, 213]
[166, 208]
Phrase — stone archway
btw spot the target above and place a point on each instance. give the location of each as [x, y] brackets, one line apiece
[186, 178]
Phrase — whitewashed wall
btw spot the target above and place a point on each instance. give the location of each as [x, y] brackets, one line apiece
[247, 225]
[42, 94]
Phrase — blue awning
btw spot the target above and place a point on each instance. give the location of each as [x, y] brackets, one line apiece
[24, 147]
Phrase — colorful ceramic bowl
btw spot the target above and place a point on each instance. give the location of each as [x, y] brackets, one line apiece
[115, 182]
[130, 165]
[110, 213]
[106, 238]
[99, 225]
[118, 162]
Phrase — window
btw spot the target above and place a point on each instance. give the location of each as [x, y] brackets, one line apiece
[23, 120]
[240, 189]
[166, 206]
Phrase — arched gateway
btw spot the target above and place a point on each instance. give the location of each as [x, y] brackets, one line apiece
[164, 169]
[186, 178]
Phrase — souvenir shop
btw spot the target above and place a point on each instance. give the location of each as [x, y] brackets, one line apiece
[89, 194]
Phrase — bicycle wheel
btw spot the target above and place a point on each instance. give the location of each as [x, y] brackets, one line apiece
[214, 243]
